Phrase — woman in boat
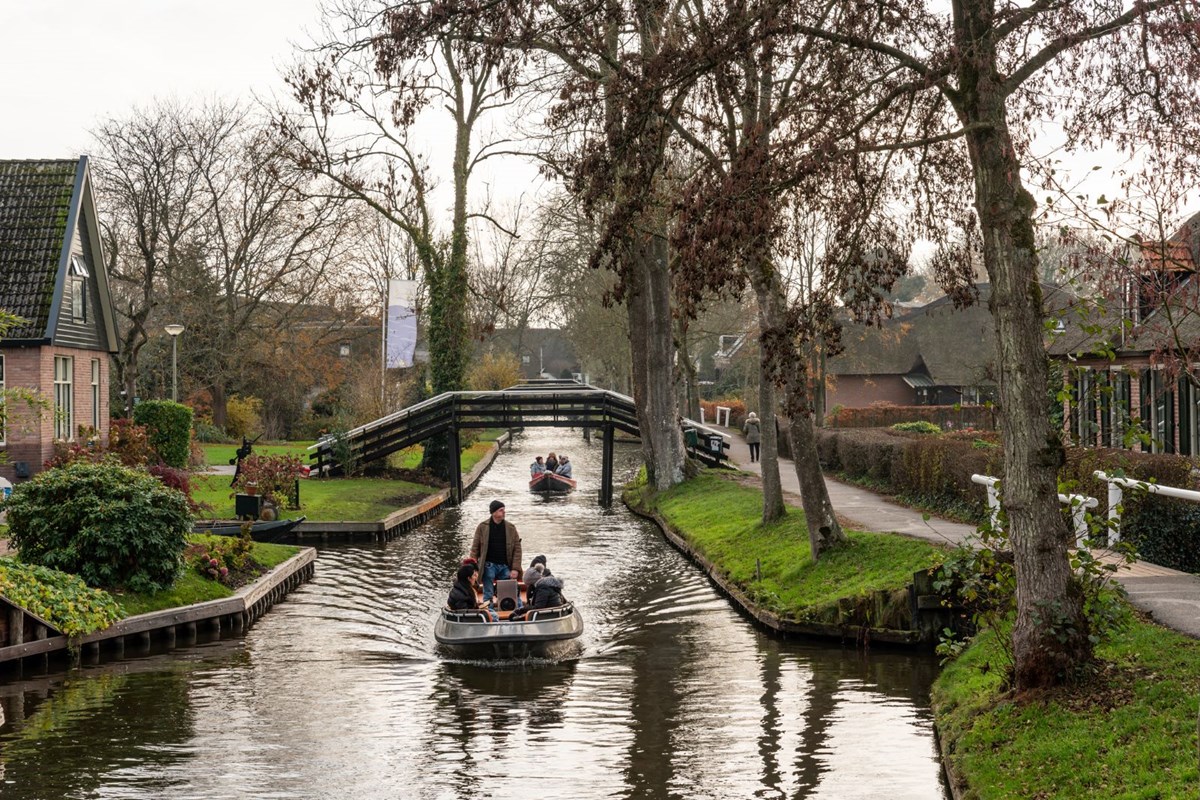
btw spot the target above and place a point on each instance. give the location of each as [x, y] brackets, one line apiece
[548, 592]
[537, 467]
[551, 462]
[462, 593]
[564, 467]
[533, 574]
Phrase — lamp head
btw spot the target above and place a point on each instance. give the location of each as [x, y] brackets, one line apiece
[174, 330]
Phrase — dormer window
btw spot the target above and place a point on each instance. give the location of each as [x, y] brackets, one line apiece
[78, 274]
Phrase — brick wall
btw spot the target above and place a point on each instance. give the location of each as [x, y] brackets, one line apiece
[30, 435]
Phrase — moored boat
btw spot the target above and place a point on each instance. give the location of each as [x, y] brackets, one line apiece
[259, 530]
[550, 482]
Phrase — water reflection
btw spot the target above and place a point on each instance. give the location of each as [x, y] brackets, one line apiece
[339, 692]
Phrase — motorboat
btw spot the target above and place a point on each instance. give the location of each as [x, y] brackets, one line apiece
[550, 482]
[541, 633]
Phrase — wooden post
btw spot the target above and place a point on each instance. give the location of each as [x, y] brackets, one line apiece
[16, 626]
[456, 481]
[606, 471]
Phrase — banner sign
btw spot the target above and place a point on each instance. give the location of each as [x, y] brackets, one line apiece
[401, 323]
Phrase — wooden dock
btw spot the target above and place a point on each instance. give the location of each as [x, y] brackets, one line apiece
[28, 636]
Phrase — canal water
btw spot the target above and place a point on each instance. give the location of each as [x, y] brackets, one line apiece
[340, 692]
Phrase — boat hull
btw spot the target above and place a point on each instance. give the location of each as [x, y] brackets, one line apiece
[259, 531]
[551, 634]
[549, 482]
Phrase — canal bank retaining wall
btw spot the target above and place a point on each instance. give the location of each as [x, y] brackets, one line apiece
[30, 637]
[401, 521]
[922, 613]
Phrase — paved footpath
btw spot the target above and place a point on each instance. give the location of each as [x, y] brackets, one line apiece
[1170, 596]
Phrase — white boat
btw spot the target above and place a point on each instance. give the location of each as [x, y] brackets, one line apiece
[543, 632]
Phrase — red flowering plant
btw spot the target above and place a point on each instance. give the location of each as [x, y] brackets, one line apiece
[275, 477]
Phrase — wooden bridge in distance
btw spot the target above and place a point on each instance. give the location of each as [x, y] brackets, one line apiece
[535, 404]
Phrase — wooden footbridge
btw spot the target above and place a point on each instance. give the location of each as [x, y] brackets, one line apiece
[536, 404]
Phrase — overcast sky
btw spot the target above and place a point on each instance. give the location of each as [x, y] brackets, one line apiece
[66, 65]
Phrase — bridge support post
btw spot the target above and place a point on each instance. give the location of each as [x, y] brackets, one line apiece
[456, 481]
[606, 470]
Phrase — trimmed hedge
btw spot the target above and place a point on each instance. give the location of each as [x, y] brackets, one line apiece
[882, 415]
[170, 428]
[935, 472]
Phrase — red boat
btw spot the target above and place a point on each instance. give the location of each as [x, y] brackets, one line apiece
[550, 482]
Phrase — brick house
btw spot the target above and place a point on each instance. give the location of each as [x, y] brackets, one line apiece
[52, 276]
[1113, 355]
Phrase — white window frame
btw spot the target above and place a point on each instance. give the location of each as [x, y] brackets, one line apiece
[79, 276]
[64, 398]
[96, 393]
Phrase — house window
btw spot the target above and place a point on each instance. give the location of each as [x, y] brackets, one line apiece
[64, 398]
[344, 350]
[2, 414]
[1158, 411]
[79, 276]
[524, 359]
[96, 393]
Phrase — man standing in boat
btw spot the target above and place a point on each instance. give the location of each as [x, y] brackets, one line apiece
[497, 546]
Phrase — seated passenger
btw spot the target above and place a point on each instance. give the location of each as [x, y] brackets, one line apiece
[551, 463]
[564, 467]
[533, 574]
[537, 467]
[548, 592]
[462, 593]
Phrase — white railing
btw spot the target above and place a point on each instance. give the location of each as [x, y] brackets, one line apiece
[1116, 487]
[726, 409]
[1079, 503]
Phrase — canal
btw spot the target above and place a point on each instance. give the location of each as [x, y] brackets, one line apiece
[339, 692]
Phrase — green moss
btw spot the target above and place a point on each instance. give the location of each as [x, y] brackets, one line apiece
[721, 519]
[1130, 732]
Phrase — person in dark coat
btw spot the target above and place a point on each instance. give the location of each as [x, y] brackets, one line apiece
[752, 428]
[551, 463]
[548, 592]
[462, 593]
[497, 548]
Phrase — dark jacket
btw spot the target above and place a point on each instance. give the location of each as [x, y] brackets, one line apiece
[462, 597]
[551, 464]
[479, 546]
[548, 593]
[752, 429]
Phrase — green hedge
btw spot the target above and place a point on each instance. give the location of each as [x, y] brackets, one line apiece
[882, 415]
[170, 427]
[935, 472]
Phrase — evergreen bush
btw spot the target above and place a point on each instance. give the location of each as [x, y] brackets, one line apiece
[169, 425]
[113, 526]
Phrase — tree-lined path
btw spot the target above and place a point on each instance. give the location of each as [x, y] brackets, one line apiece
[1170, 596]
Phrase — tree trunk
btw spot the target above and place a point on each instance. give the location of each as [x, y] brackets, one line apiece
[648, 305]
[785, 366]
[1050, 635]
[689, 390]
[219, 406]
[768, 454]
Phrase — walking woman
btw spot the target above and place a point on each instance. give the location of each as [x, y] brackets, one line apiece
[753, 436]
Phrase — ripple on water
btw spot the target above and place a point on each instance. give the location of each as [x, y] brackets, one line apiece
[340, 691]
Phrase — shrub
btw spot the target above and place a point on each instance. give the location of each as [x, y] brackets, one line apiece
[880, 415]
[169, 426]
[224, 560]
[63, 600]
[209, 433]
[1165, 531]
[130, 443]
[113, 526]
[493, 372]
[243, 416]
[275, 477]
[737, 410]
[920, 426]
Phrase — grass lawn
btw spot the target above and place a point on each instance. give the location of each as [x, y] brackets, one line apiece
[1129, 733]
[410, 457]
[331, 500]
[191, 587]
[216, 455]
[721, 519]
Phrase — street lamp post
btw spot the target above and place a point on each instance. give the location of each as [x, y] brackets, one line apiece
[173, 331]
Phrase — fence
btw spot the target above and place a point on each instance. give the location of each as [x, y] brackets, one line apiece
[1116, 488]
[1079, 503]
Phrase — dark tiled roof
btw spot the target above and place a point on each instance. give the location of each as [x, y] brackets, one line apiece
[35, 202]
